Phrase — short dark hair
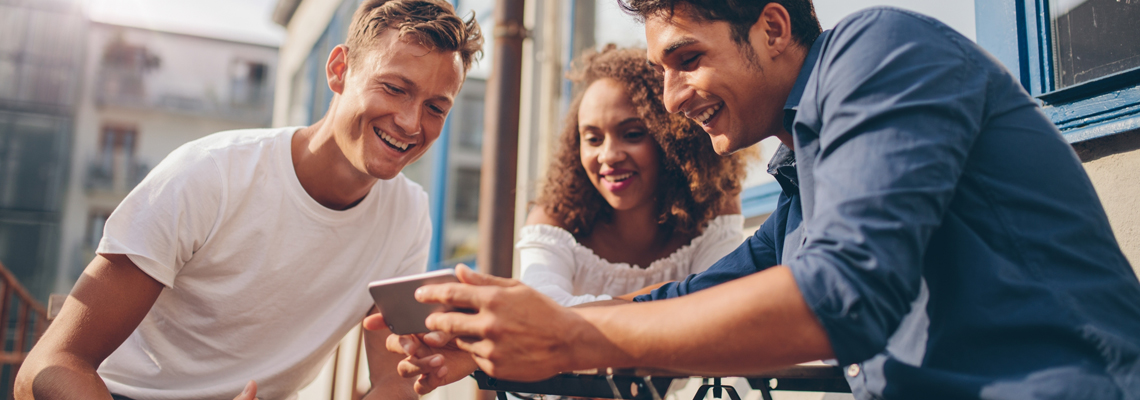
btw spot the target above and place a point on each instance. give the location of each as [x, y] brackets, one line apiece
[432, 23]
[740, 14]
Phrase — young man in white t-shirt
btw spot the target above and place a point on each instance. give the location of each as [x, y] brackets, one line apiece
[237, 265]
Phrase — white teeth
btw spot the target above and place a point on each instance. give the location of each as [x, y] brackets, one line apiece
[703, 118]
[619, 178]
[392, 141]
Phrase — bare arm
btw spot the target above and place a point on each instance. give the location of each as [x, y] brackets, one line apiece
[386, 383]
[108, 302]
[750, 325]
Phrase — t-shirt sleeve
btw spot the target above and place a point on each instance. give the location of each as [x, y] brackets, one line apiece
[548, 267]
[170, 214]
[899, 103]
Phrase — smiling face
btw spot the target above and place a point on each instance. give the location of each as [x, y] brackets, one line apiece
[392, 102]
[620, 158]
[736, 92]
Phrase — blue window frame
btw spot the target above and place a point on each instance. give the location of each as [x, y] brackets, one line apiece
[1018, 33]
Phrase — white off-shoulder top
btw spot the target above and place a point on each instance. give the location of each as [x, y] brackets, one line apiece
[554, 263]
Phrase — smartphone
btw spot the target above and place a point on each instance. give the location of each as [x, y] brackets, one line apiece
[397, 302]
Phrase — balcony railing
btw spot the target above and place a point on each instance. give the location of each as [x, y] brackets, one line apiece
[22, 322]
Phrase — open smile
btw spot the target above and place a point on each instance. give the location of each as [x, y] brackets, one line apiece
[615, 181]
[706, 117]
[392, 142]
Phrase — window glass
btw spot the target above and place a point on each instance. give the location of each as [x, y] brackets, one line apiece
[1094, 38]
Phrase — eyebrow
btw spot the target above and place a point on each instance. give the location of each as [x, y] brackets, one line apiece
[671, 48]
[623, 122]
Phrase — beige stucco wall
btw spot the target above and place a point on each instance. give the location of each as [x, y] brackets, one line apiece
[1114, 167]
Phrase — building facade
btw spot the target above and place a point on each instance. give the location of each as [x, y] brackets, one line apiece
[41, 64]
[144, 93]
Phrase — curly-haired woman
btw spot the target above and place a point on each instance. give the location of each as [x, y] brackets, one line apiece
[635, 196]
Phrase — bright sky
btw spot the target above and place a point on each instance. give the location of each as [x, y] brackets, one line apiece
[239, 20]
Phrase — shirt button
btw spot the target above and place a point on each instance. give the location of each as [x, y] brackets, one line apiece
[853, 370]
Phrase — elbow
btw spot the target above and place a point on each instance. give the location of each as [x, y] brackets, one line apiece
[25, 379]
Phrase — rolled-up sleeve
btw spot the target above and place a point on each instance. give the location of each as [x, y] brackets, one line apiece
[895, 105]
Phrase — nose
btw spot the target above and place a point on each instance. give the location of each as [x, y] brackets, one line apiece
[408, 119]
[676, 91]
[612, 153]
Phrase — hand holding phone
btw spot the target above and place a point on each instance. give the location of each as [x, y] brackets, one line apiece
[397, 302]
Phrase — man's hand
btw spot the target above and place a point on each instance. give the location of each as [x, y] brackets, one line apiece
[436, 364]
[514, 333]
[249, 393]
[434, 358]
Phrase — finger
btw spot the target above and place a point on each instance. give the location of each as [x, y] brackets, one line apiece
[457, 324]
[457, 295]
[427, 383]
[249, 393]
[392, 343]
[375, 322]
[410, 367]
[437, 339]
[469, 276]
[478, 348]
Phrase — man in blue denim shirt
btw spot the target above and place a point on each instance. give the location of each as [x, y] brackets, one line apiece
[951, 245]
[951, 242]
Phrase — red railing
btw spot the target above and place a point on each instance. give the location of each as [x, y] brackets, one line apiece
[30, 321]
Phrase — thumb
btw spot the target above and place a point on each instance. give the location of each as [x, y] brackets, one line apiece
[250, 392]
[469, 276]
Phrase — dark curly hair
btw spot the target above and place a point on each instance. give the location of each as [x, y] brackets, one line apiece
[694, 182]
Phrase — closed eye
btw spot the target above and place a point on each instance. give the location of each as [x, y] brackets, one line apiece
[393, 89]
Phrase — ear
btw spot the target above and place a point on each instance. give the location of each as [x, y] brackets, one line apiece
[772, 32]
[337, 68]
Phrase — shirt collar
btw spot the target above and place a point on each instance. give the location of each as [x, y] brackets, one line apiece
[793, 103]
[783, 168]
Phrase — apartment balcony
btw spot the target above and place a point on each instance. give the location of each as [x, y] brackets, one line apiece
[130, 88]
[116, 176]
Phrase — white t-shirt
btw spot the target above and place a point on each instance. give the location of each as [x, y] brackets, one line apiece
[261, 280]
[554, 263]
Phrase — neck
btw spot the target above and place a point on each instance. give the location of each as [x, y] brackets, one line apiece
[795, 57]
[629, 227]
[324, 172]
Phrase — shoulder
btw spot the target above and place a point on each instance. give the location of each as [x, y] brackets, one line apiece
[888, 18]
[539, 216]
[235, 145]
[889, 31]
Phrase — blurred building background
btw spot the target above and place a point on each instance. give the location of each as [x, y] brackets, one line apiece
[41, 68]
[87, 107]
[144, 93]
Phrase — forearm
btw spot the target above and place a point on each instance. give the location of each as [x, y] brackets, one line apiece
[393, 387]
[58, 376]
[750, 325]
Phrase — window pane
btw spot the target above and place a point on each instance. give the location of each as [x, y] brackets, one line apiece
[1094, 38]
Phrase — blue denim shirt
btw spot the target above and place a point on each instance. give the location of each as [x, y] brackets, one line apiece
[951, 244]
